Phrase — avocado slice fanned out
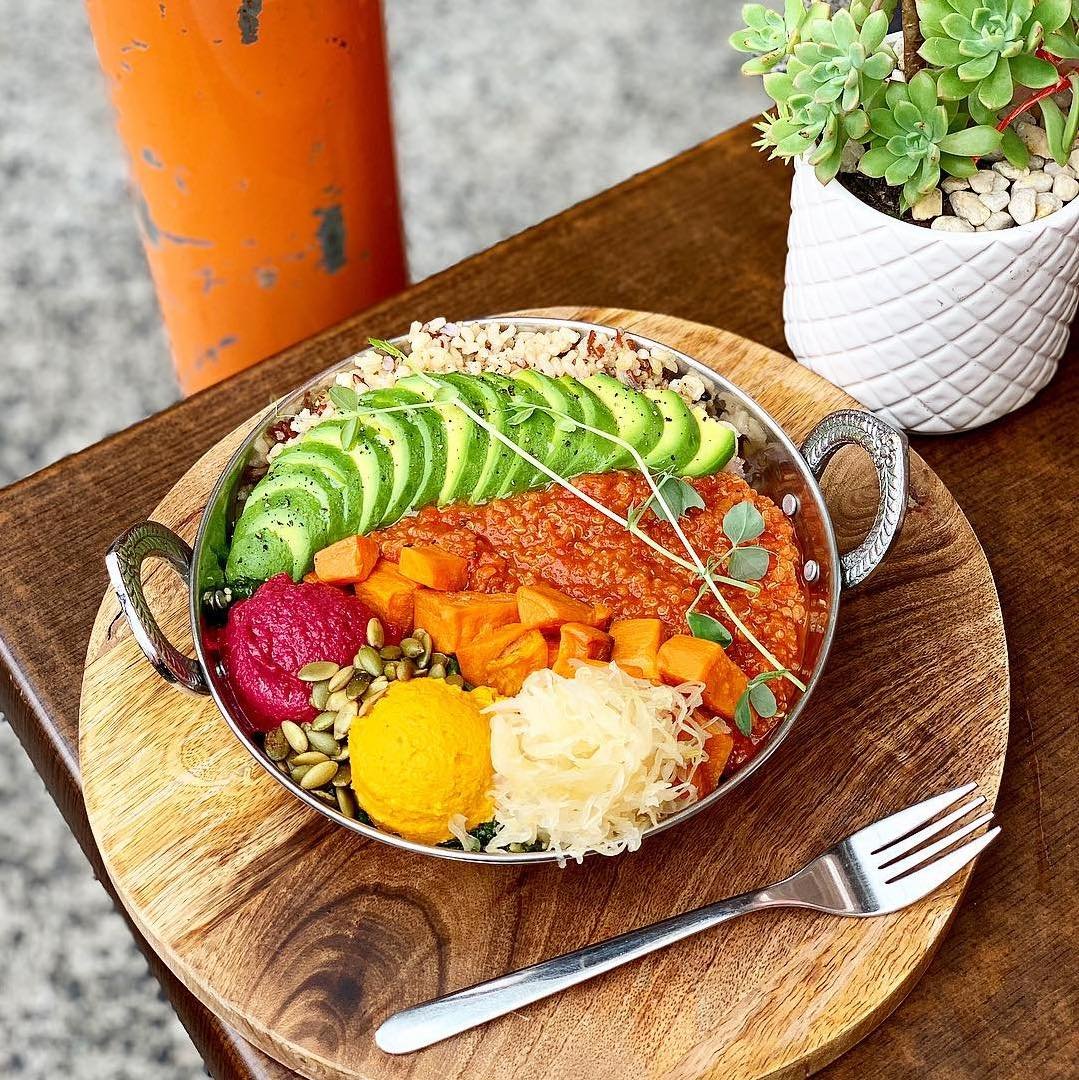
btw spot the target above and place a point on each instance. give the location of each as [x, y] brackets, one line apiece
[636, 418]
[681, 437]
[466, 442]
[278, 533]
[554, 447]
[594, 453]
[719, 443]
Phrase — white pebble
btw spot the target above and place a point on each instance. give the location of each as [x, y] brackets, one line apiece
[1034, 138]
[1039, 181]
[1053, 169]
[1065, 187]
[1000, 182]
[947, 223]
[996, 200]
[1047, 204]
[1073, 161]
[998, 221]
[928, 206]
[983, 180]
[954, 183]
[1036, 162]
[967, 205]
[1022, 205]
[1007, 169]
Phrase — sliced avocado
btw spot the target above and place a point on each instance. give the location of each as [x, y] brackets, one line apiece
[533, 435]
[432, 433]
[372, 461]
[681, 438]
[636, 418]
[293, 517]
[401, 438]
[336, 466]
[719, 442]
[316, 483]
[594, 453]
[466, 442]
[258, 556]
[558, 448]
[501, 460]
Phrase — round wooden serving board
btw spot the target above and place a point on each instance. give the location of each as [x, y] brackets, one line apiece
[305, 937]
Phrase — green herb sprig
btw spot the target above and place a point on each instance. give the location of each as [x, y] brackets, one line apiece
[757, 697]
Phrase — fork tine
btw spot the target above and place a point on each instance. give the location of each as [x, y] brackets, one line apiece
[922, 882]
[890, 829]
[914, 840]
[897, 869]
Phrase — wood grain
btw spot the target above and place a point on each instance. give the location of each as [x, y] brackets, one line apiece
[304, 938]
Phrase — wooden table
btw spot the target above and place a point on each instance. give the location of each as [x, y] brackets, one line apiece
[703, 237]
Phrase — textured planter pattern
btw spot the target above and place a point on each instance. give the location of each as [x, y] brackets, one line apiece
[933, 331]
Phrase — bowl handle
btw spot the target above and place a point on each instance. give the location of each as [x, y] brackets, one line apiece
[888, 449]
[124, 559]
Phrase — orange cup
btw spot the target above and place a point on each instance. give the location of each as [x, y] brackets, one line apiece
[261, 150]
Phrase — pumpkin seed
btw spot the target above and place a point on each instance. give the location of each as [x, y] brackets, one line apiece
[344, 719]
[319, 671]
[411, 648]
[390, 652]
[320, 695]
[369, 660]
[454, 680]
[356, 686]
[281, 767]
[377, 688]
[309, 757]
[343, 756]
[405, 670]
[276, 745]
[324, 741]
[325, 796]
[300, 771]
[346, 802]
[319, 775]
[295, 736]
[390, 670]
[424, 639]
[340, 680]
[336, 701]
[343, 777]
[437, 671]
[376, 636]
[324, 721]
[439, 658]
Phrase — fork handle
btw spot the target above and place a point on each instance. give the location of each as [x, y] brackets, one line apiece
[420, 1026]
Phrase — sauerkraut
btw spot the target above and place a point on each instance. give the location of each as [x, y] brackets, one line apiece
[589, 763]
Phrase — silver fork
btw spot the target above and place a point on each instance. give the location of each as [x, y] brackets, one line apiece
[879, 869]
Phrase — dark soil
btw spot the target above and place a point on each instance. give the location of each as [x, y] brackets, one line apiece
[877, 194]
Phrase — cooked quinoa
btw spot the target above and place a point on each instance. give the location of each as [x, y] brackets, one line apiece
[504, 348]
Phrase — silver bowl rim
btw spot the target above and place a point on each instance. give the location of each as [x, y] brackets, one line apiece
[718, 383]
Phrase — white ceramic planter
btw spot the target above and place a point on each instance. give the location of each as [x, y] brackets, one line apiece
[933, 331]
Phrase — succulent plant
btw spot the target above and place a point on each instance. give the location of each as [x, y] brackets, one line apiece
[841, 61]
[914, 138]
[770, 35]
[985, 47]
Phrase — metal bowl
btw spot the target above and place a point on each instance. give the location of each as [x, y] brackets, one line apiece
[786, 473]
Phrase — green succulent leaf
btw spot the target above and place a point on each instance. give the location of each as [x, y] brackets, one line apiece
[1062, 45]
[1053, 14]
[995, 91]
[1033, 71]
[1015, 150]
[1053, 119]
[957, 166]
[971, 142]
[877, 162]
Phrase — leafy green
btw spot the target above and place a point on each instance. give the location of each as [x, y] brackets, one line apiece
[679, 495]
[704, 626]
[742, 522]
[757, 697]
[386, 347]
[748, 563]
[344, 398]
